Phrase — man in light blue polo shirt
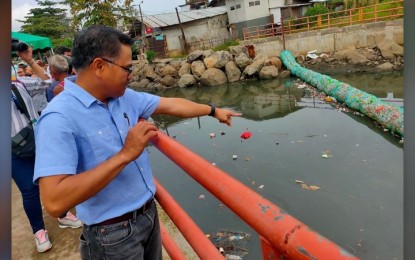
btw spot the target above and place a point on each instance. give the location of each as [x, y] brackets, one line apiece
[90, 146]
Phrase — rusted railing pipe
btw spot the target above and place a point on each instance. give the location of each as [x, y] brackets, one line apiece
[202, 246]
[287, 235]
[170, 245]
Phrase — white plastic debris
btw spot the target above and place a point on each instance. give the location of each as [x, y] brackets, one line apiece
[261, 187]
[201, 196]
[234, 156]
[212, 135]
[325, 156]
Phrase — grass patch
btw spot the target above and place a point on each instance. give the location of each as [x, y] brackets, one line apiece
[225, 46]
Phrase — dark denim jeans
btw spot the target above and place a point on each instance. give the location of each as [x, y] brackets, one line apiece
[22, 174]
[138, 238]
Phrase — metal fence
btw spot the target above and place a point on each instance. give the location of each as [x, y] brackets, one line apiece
[373, 13]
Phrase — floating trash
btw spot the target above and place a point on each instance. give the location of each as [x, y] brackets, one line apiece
[230, 243]
[234, 156]
[212, 135]
[222, 133]
[246, 135]
[325, 156]
[389, 116]
[201, 196]
[261, 187]
[307, 187]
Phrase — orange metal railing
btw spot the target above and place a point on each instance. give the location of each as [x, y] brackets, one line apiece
[282, 236]
[366, 14]
[261, 31]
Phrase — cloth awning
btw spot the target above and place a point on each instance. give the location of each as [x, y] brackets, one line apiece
[39, 43]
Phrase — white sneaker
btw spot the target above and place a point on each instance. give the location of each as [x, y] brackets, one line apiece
[42, 241]
[70, 220]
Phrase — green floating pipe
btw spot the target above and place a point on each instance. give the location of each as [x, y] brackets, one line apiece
[389, 116]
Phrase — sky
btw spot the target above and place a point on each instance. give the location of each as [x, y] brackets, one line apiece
[20, 8]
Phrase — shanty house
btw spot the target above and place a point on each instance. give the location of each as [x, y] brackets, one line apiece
[248, 13]
[198, 25]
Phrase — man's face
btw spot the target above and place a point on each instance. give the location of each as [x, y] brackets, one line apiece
[117, 75]
[29, 71]
[67, 53]
[20, 72]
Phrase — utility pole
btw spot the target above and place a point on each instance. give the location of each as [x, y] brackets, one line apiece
[181, 28]
[142, 28]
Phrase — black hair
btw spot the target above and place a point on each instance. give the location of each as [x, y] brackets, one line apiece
[61, 50]
[97, 41]
[69, 60]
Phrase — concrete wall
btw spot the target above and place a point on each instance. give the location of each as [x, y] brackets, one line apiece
[209, 28]
[332, 39]
[240, 10]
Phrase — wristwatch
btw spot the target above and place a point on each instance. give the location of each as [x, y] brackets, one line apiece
[212, 109]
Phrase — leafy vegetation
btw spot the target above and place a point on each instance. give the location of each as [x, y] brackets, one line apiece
[103, 12]
[151, 55]
[48, 21]
[226, 45]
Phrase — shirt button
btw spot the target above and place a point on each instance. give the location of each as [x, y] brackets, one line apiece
[141, 169]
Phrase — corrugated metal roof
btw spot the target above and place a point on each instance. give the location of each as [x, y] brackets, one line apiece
[169, 19]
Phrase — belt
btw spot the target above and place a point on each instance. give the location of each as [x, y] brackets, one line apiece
[126, 216]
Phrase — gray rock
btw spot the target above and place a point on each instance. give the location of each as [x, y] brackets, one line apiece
[236, 50]
[169, 70]
[194, 56]
[198, 67]
[387, 66]
[176, 64]
[242, 60]
[218, 59]
[389, 49]
[208, 53]
[213, 77]
[254, 68]
[232, 71]
[186, 80]
[285, 74]
[275, 61]
[185, 69]
[168, 81]
[268, 72]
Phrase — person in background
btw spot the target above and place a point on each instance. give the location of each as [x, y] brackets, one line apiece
[23, 168]
[29, 72]
[20, 72]
[59, 69]
[100, 132]
[63, 50]
[36, 86]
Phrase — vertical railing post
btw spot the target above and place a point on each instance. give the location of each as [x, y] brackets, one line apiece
[376, 13]
[283, 33]
[268, 252]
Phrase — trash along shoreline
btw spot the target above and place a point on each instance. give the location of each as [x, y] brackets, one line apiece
[388, 115]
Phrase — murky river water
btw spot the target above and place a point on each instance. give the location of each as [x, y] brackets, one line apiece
[359, 204]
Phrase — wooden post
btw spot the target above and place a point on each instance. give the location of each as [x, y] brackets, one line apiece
[142, 30]
[181, 28]
[283, 33]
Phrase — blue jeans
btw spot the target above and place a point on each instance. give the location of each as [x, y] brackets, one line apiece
[136, 239]
[22, 174]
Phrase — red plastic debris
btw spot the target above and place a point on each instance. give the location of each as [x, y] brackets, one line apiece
[246, 135]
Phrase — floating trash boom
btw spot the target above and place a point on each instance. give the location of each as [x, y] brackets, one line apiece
[388, 115]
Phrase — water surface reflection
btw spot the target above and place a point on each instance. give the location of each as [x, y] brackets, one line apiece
[360, 201]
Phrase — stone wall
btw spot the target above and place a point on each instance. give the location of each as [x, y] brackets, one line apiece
[332, 39]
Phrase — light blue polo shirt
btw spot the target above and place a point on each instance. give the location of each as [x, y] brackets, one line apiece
[77, 132]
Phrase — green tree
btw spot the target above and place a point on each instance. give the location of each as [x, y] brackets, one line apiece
[49, 21]
[93, 12]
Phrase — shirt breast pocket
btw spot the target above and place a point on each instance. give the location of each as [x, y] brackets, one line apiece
[105, 142]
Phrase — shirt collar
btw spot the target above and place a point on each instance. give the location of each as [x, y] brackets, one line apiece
[81, 94]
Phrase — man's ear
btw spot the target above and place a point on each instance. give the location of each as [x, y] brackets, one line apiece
[98, 66]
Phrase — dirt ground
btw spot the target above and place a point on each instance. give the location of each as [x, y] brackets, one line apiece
[65, 241]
